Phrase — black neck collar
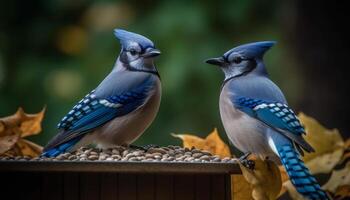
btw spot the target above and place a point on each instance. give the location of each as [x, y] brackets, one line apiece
[232, 77]
[130, 68]
[254, 66]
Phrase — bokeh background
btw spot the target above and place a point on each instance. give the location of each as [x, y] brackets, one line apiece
[54, 52]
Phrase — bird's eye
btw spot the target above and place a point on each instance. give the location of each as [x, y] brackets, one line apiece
[133, 52]
[237, 60]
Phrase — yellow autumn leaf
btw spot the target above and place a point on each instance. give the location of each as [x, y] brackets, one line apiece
[329, 149]
[212, 143]
[338, 178]
[326, 162]
[2, 126]
[216, 145]
[240, 188]
[323, 140]
[21, 123]
[293, 193]
[284, 179]
[7, 142]
[346, 155]
[17, 126]
[264, 182]
[31, 124]
[284, 174]
[265, 179]
[189, 141]
[28, 148]
[342, 192]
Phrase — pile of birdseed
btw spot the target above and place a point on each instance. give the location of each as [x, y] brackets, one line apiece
[120, 153]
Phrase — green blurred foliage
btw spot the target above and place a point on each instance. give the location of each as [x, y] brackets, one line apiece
[54, 52]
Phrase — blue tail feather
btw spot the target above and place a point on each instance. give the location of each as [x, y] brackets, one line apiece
[299, 174]
[61, 148]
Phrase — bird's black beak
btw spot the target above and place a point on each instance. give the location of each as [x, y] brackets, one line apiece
[216, 61]
[151, 52]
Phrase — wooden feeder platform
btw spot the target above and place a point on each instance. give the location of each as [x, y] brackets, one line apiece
[103, 180]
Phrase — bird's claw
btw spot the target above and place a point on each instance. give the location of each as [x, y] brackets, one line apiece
[250, 164]
[244, 157]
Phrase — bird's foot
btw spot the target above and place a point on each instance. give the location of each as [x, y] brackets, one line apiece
[145, 147]
[245, 156]
[250, 164]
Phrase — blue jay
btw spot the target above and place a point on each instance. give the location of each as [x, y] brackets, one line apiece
[256, 116]
[119, 110]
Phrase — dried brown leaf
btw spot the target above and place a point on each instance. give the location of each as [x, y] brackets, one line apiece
[21, 123]
[28, 148]
[338, 178]
[323, 140]
[293, 193]
[7, 142]
[342, 192]
[189, 141]
[284, 179]
[240, 188]
[212, 143]
[2, 127]
[32, 123]
[265, 179]
[329, 148]
[284, 174]
[216, 145]
[345, 158]
[347, 143]
[262, 183]
[17, 126]
[326, 162]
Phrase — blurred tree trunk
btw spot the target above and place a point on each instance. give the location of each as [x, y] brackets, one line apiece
[319, 38]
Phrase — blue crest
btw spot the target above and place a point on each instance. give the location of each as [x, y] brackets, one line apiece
[127, 37]
[252, 50]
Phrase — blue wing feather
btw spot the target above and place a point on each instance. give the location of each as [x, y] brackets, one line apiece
[93, 111]
[274, 114]
[61, 148]
[90, 108]
[104, 114]
[88, 104]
